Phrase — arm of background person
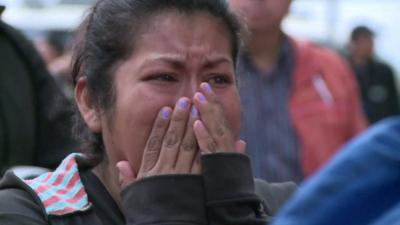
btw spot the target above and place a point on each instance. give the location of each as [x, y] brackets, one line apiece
[357, 187]
[358, 118]
[393, 93]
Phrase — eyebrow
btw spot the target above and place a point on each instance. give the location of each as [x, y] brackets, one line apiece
[178, 62]
[213, 62]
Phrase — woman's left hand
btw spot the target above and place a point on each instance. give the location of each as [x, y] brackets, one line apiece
[212, 132]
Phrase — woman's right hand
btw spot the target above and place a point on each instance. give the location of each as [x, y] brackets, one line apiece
[171, 147]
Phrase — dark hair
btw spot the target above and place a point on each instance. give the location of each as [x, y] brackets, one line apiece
[361, 31]
[106, 39]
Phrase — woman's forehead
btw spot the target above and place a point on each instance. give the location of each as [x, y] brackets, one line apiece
[181, 22]
[190, 37]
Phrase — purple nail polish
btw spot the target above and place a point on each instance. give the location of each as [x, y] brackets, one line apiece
[183, 103]
[207, 87]
[195, 112]
[165, 113]
[201, 97]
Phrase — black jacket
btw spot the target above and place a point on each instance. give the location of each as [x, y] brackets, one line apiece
[223, 195]
[378, 90]
[35, 116]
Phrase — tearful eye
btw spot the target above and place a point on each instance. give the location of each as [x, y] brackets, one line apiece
[219, 80]
[162, 77]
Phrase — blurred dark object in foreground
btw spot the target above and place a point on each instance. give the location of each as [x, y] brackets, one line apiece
[359, 186]
[35, 117]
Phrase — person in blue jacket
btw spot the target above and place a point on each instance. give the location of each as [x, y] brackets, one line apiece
[361, 185]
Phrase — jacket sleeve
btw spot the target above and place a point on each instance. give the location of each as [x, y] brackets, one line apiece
[229, 189]
[274, 195]
[357, 118]
[393, 101]
[165, 200]
[223, 195]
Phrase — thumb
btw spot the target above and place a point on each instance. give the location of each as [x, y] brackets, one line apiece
[125, 174]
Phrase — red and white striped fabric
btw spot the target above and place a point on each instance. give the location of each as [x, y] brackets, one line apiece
[61, 191]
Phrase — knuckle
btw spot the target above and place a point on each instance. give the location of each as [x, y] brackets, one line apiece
[222, 128]
[189, 145]
[154, 144]
[220, 131]
[171, 140]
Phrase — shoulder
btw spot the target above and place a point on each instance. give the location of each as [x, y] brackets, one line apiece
[317, 55]
[274, 195]
[17, 203]
[56, 193]
[382, 68]
[17, 38]
[312, 59]
[14, 200]
[383, 135]
[313, 49]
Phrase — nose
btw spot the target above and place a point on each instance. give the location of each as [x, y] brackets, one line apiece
[189, 88]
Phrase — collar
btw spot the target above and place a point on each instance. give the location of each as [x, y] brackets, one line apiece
[61, 192]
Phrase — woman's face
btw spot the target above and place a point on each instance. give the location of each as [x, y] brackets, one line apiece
[171, 57]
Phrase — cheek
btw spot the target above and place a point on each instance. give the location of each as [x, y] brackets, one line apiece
[133, 122]
[232, 109]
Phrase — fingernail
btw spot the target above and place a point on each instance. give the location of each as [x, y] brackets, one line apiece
[195, 112]
[206, 87]
[201, 97]
[183, 103]
[165, 113]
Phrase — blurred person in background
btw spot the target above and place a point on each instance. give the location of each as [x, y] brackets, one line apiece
[35, 120]
[359, 186]
[375, 78]
[300, 100]
[50, 46]
[55, 47]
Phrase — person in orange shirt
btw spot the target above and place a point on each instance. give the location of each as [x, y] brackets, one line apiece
[300, 101]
